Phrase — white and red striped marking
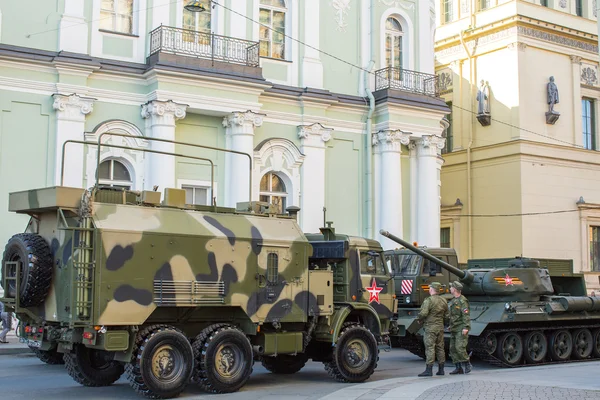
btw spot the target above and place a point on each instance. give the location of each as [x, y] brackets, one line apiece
[407, 286]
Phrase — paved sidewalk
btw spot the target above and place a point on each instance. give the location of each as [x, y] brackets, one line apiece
[572, 380]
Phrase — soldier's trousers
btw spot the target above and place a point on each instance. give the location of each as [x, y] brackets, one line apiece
[434, 346]
[458, 347]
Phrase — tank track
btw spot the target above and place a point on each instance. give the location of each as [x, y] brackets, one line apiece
[478, 346]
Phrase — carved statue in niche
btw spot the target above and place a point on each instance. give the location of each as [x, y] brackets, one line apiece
[483, 109]
[552, 93]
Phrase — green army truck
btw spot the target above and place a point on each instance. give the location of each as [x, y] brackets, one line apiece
[116, 281]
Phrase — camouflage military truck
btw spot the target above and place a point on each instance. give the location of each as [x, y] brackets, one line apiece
[116, 281]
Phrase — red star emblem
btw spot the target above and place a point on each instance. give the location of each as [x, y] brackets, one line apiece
[374, 291]
[508, 280]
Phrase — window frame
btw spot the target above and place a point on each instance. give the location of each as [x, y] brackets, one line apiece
[271, 10]
[447, 11]
[394, 35]
[183, 183]
[484, 4]
[115, 182]
[270, 193]
[449, 242]
[594, 247]
[591, 135]
[579, 8]
[114, 13]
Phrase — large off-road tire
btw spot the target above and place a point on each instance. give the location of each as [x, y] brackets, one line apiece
[162, 362]
[224, 359]
[284, 363]
[36, 268]
[355, 355]
[51, 357]
[90, 367]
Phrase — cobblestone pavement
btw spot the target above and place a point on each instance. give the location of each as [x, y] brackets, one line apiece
[485, 390]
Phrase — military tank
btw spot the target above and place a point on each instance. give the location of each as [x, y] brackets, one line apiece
[517, 317]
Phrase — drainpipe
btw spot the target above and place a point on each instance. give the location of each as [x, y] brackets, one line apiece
[471, 125]
[368, 133]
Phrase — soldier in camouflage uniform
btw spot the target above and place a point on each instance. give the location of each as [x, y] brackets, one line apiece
[433, 313]
[460, 324]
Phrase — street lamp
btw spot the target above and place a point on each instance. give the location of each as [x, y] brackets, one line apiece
[195, 6]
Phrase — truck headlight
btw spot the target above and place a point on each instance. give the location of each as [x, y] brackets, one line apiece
[407, 299]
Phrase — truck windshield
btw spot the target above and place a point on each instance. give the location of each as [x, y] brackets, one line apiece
[408, 264]
[371, 262]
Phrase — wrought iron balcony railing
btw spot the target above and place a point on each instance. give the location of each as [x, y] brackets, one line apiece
[208, 46]
[408, 81]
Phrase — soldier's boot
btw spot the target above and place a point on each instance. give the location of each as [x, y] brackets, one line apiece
[428, 370]
[440, 369]
[468, 366]
[458, 370]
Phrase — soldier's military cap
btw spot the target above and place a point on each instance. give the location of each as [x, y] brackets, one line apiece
[456, 285]
[436, 285]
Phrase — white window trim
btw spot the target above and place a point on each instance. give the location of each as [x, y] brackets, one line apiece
[595, 96]
[117, 182]
[200, 184]
[286, 39]
[408, 50]
[133, 18]
[139, 37]
[588, 216]
[217, 18]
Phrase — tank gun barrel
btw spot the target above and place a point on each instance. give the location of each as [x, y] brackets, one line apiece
[464, 276]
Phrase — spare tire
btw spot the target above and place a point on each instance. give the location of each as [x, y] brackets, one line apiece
[36, 268]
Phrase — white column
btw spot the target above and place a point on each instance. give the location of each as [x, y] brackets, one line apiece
[425, 38]
[312, 145]
[239, 131]
[412, 147]
[70, 125]
[312, 69]
[161, 116]
[428, 197]
[161, 14]
[237, 24]
[389, 195]
[73, 36]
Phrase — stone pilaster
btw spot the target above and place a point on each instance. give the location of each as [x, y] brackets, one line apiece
[73, 32]
[387, 147]
[71, 111]
[160, 123]
[577, 111]
[239, 136]
[428, 190]
[313, 139]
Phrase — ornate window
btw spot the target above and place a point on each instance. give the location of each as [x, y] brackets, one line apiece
[114, 173]
[393, 43]
[448, 10]
[272, 190]
[197, 22]
[272, 41]
[117, 16]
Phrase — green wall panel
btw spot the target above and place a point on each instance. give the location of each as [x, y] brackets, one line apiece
[116, 46]
[39, 29]
[104, 112]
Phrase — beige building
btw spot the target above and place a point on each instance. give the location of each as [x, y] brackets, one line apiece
[521, 173]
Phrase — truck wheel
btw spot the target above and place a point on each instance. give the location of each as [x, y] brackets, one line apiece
[162, 362]
[285, 363]
[51, 357]
[90, 367]
[35, 276]
[223, 359]
[355, 355]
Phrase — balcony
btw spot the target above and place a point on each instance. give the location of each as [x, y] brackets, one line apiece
[407, 81]
[194, 49]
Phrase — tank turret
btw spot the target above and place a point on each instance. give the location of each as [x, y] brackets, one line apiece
[523, 280]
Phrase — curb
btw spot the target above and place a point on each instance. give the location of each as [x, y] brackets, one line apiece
[17, 350]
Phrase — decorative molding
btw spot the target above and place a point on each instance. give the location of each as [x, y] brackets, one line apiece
[563, 3]
[72, 107]
[163, 112]
[308, 134]
[517, 46]
[390, 140]
[575, 59]
[241, 118]
[445, 79]
[341, 8]
[397, 3]
[430, 145]
[589, 74]
[558, 39]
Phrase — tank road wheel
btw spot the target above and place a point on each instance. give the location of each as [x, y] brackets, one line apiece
[561, 345]
[490, 343]
[583, 344]
[355, 355]
[224, 359]
[284, 363]
[51, 357]
[32, 251]
[90, 367]
[536, 347]
[162, 362]
[510, 348]
[596, 342]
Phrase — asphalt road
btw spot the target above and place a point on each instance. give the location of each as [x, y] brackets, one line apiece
[25, 377]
